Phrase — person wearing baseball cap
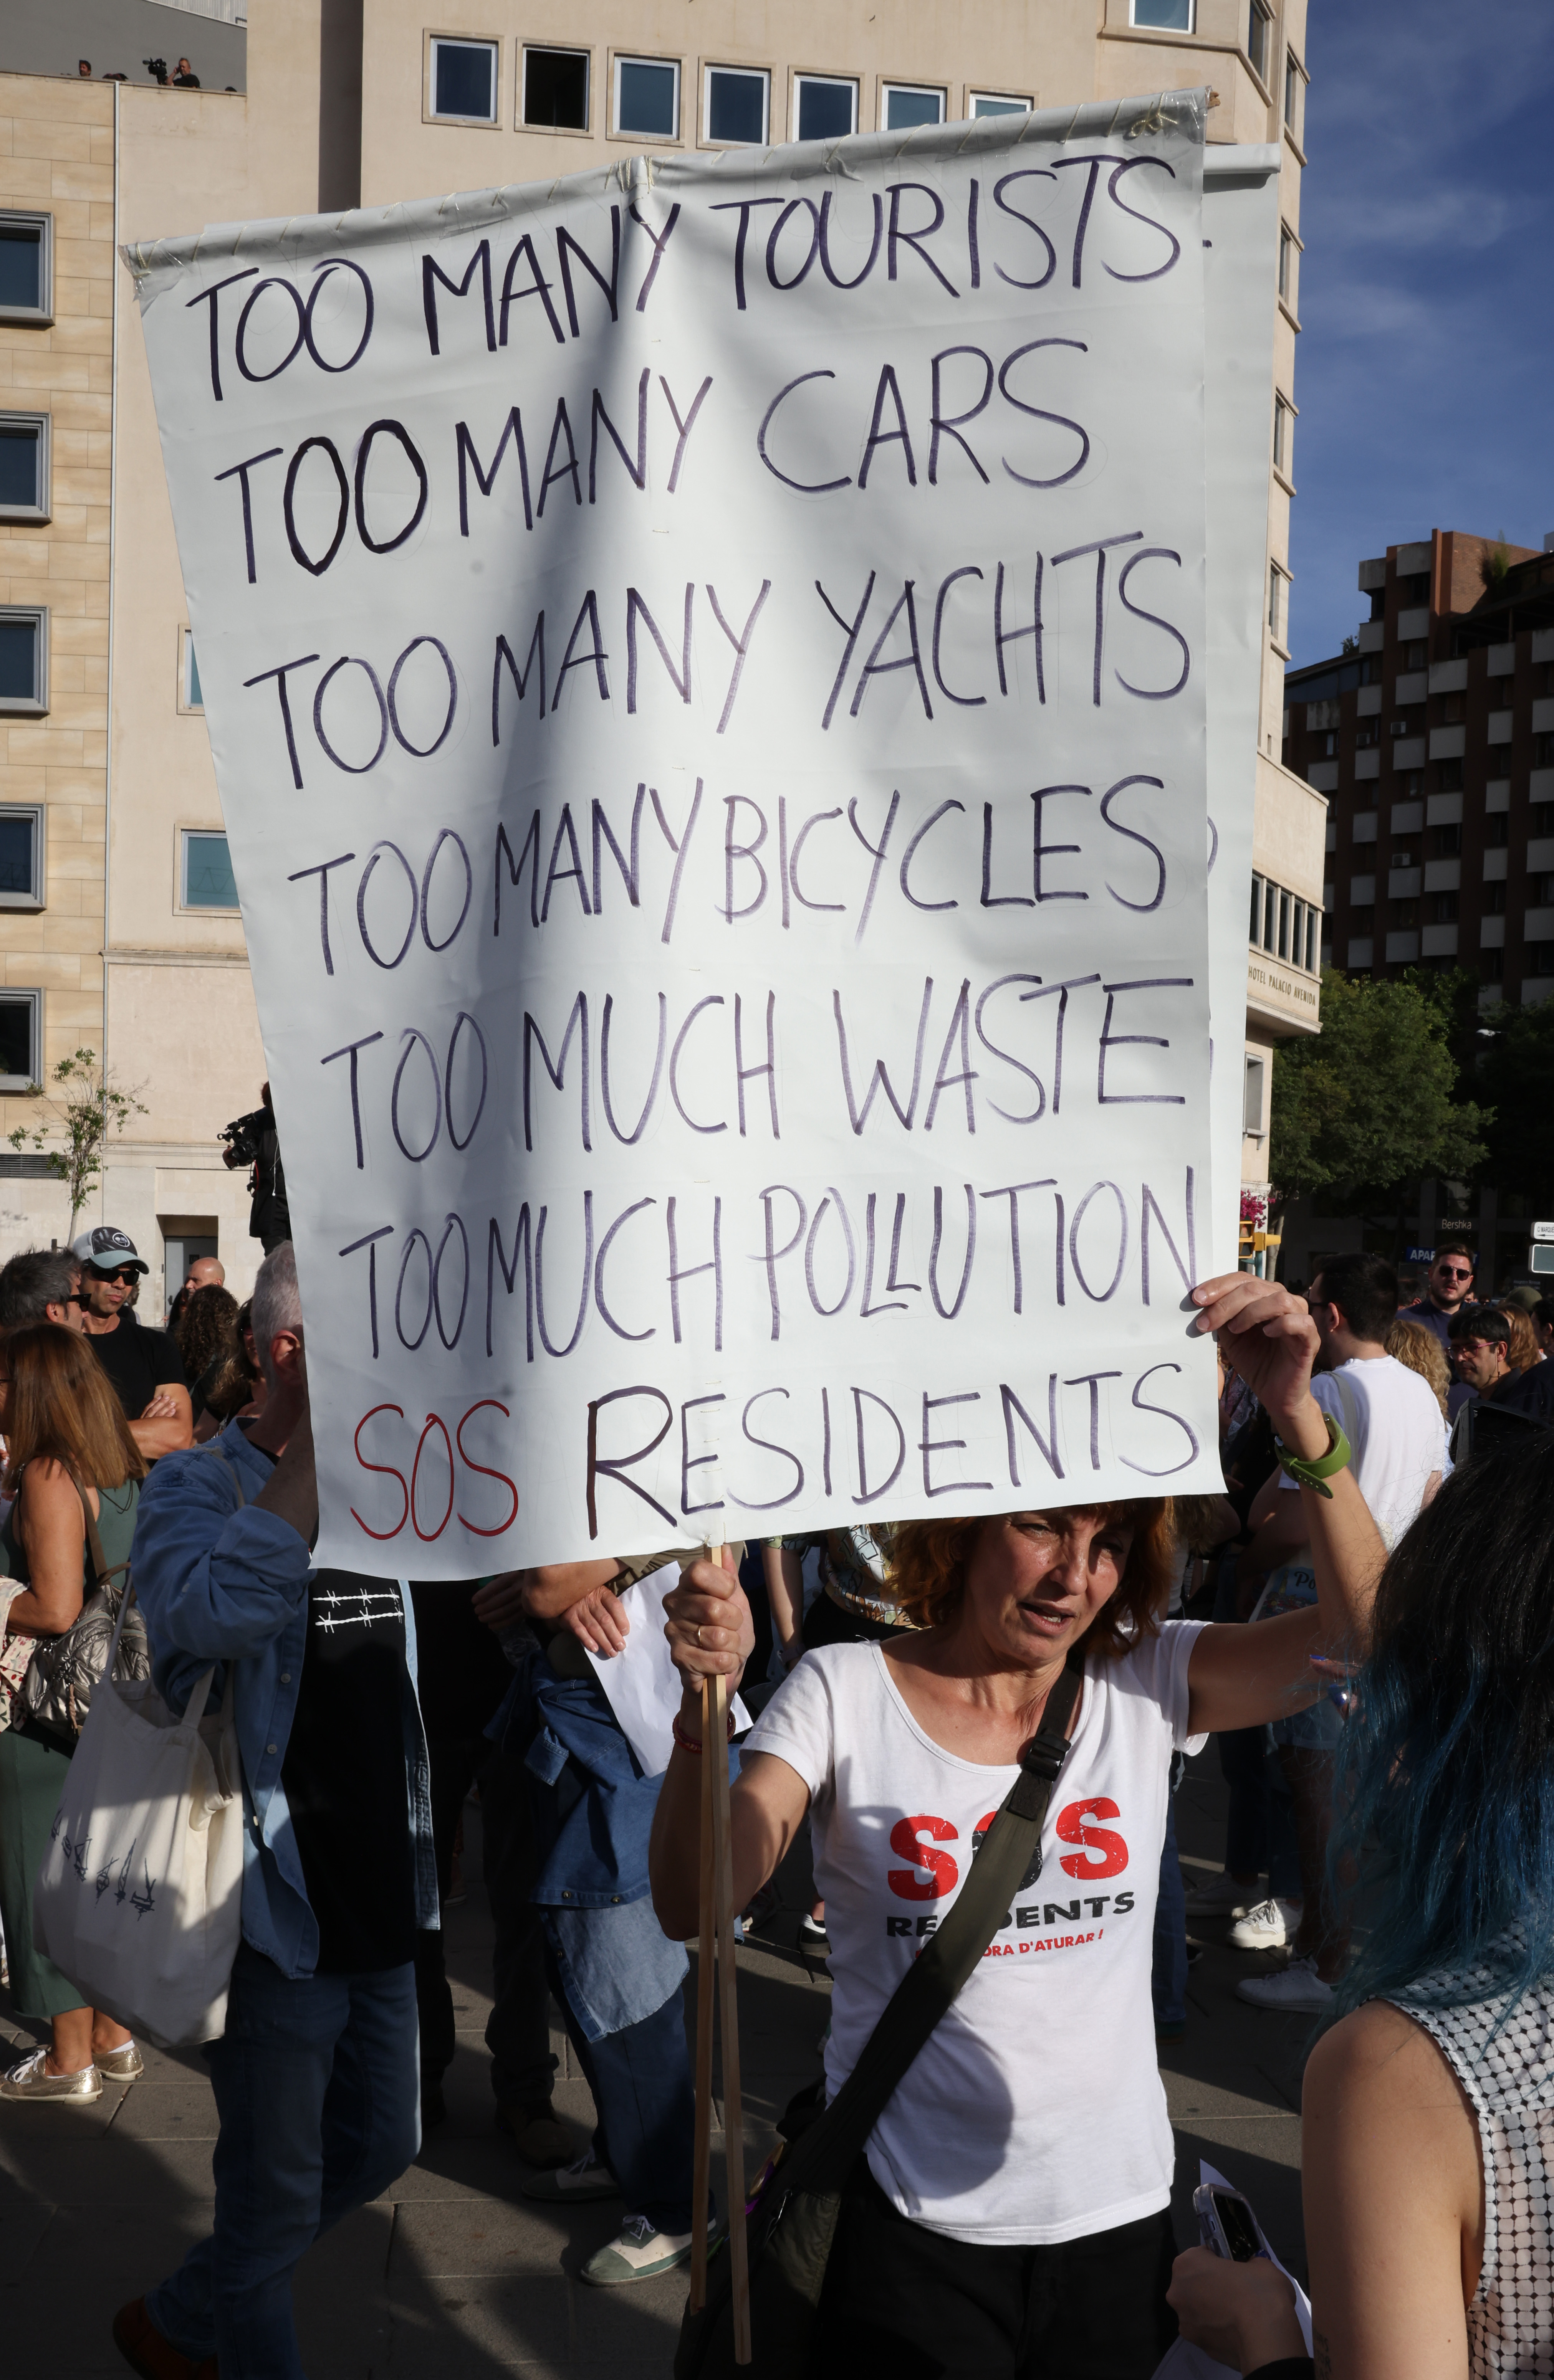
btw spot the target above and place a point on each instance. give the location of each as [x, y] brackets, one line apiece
[144, 1365]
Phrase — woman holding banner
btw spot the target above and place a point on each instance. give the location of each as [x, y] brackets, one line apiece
[1010, 2211]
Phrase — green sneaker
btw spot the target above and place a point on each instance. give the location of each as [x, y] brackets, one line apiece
[574, 2184]
[638, 2255]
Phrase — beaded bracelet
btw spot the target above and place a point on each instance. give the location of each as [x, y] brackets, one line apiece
[1317, 1471]
[691, 1743]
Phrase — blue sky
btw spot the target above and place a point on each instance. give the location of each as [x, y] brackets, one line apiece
[1425, 370]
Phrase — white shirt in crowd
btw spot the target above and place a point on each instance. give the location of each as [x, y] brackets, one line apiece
[1391, 1417]
[1036, 2111]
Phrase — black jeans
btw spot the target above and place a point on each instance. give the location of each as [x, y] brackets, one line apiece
[1089, 2309]
[519, 2033]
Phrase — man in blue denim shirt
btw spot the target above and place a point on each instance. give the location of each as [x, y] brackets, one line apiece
[315, 2076]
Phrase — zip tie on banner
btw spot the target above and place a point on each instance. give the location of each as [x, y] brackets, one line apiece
[1156, 118]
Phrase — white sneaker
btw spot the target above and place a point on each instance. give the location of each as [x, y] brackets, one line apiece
[1267, 1927]
[638, 2254]
[1296, 1987]
[1221, 1896]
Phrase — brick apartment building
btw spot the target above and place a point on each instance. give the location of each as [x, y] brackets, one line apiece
[1434, 740]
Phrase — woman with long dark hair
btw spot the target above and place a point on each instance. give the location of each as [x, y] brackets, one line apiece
[69, 1456]
[1010, 2214]
[1427, 2168]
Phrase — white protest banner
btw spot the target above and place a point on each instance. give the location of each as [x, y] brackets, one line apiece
[705, 663]
[1240, 244]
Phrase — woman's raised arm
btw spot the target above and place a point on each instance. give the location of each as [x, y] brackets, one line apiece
[1239, 1677]
[708, 1625]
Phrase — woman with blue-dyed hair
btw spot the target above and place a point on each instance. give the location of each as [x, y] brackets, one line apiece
[1428, 2143]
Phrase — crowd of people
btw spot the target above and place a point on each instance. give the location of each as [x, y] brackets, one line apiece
[1360, 1619]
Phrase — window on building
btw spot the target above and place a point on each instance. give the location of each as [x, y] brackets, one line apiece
[1283, 435]
[1491, 965]
[1494, 899]
[825, 106]
[1286, 265]
[1543, 751]
[20, 1038]
[904, 106]
[22, 856]
[1540, 891]
[555, 90]
[1402, 913]
[1366, 734]
[647, 97]
[1291, 95]
[738, 104]
[26, 267]
[1417, 654]
[1165, 15]
[1496, 830]
[1540, 819]
[1328, 746]
[1445, 842]
[1443, 908]
[1448, 776]
[1257, 26]
[205, 879]
[1252, 1106]
[24, 658]
[24, 467]
[997, 102]
[463, 80]
[1539, 959]
[1277, 602]
[1419, 587]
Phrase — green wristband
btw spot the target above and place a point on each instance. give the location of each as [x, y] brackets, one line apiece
[1315, 1474]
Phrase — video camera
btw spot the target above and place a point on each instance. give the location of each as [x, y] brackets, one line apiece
[243, 1136]
[157, 67]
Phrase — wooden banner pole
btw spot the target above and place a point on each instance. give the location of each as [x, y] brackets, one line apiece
[705, 1956]
[733, 2112]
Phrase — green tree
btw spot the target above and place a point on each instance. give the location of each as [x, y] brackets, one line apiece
[1517, 1071]
[91, 1105]
[1369, 1102]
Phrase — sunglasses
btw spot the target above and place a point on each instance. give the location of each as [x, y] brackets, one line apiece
[129, 1279]
[1455, 1272]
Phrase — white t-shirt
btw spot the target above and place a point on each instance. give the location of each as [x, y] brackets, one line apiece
[1035, 2113]
[1394, 1424]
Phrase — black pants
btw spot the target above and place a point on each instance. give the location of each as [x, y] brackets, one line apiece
[1091, 2309]
[519, 2033]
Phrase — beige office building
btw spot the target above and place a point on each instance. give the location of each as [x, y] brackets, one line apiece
[118, 928]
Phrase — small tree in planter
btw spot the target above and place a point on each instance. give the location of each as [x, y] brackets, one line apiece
[90, 1106]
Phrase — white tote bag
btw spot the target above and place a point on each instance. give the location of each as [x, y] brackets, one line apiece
[139, 1899]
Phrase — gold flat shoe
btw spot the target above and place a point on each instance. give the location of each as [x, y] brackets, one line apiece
[29, 2081]
[124, 2064]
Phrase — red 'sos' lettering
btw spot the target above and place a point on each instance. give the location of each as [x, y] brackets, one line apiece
[388, 1471]
[433, 1421]
[486, 1472]
[943, 1874]
[1101, 1852]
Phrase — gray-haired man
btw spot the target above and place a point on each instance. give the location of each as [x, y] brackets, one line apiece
[315, 2076]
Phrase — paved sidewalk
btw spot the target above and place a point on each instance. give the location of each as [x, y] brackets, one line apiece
[454, 2272]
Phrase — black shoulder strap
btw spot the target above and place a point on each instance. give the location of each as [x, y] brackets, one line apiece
[822, 2157]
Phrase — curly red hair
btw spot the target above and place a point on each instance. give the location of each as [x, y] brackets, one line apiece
[929, 1558]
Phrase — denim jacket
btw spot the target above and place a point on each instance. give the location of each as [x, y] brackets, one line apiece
[220, 1581]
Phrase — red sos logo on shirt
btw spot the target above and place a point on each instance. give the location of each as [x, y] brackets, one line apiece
[1099, 1851]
